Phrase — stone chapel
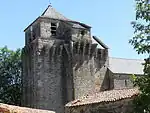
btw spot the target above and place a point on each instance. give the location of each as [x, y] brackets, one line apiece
[63, 62]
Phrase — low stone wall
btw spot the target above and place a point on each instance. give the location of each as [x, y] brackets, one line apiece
[121, 106]
[4, 108]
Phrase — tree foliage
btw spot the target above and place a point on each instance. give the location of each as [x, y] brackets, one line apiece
[10, 76]
[141, 43]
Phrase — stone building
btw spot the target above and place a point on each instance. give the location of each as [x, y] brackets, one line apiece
[62, 62]
[113, 101]
[122, 69]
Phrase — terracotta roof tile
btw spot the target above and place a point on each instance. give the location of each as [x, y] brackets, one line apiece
[106, 96]
[5, 108]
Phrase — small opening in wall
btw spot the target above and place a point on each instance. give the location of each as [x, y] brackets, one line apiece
[53, 33]
[30, 40]
[53, 29]
[34, 36]
[83, 32]
[125, 83]
[53, 24]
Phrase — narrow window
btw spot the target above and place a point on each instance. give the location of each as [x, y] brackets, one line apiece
[125, 83]
[53, 29]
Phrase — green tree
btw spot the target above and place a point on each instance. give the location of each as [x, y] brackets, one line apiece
[10, 76]
[141, 43]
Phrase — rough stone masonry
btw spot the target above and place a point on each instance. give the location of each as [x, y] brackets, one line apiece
[61, 63]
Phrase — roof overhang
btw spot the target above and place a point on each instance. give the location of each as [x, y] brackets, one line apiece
[32, 23]
[100, 42]
[105, 97]
[42, 17]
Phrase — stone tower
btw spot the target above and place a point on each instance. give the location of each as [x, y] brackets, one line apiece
[60, 62]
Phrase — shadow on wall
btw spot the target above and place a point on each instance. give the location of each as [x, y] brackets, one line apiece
[108, 82]
[83, 52]
[82, 65]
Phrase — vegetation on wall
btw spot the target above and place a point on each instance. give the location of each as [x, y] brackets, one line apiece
[10, 76]
[141, 43]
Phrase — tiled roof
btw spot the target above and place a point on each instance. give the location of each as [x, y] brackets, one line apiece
[51, 13]
[4, 108]
[106, 96]
[126, 66]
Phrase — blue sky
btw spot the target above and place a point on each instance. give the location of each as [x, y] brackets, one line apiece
[110, 21]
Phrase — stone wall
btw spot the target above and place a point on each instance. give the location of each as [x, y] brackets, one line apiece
[58, 69]
[29, 58]
[47, 78]
[122, 81]
[47, 75]
[65, 30]
[122, 106]
[32, 33]
[89, 69]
